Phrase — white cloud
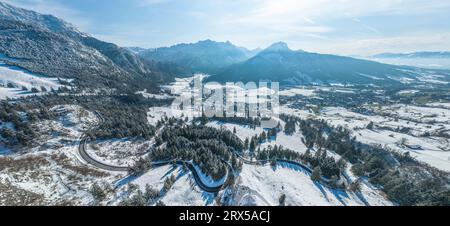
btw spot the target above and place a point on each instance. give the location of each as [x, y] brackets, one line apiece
[290, 13]
[143, 3]
[311, 24]
[309, 17]
[333, 26]
[294, 11]
[404, 43]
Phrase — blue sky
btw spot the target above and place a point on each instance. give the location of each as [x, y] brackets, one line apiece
[346, 27]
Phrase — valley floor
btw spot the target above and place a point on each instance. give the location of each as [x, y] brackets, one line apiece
[54, 173]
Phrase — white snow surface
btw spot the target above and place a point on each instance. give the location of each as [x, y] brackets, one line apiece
[266, 184]
[184, 192]
[21, 78]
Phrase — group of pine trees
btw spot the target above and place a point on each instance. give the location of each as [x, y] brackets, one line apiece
[168, 183]
[328, 166]
[405, 180]
[150, 196]
[21, 118]
[289, 127]
[207, 147]
[251, 122]
[124, 116]
[272, 153]
[252, 143]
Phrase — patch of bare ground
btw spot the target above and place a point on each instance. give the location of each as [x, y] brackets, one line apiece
[27, 163]
[13, 196]
[65, 162]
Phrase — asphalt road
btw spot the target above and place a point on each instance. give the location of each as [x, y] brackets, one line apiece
[212, 189]
[89, 159]
[94, 162]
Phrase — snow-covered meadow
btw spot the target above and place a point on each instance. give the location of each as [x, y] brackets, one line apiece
[53, 173]
[16, 82]
[265, 185]
[59, 175]
[404, 128]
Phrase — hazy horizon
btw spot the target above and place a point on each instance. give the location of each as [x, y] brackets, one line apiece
[355, 28]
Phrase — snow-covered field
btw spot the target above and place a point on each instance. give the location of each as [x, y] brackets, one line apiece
[184, 192]
[53, 173]
[422, 114]
[18, 79]
[441, 105]
[430, 150]
[265, 184]
[242, 131]
[420, 122]
[118, 152]
[292, 142]
[297, 91]
[262, 185]
[145, 94]
[155, 114]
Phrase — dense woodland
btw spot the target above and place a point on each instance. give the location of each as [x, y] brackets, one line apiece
[207, 147]
[18, 119]
[121, 116]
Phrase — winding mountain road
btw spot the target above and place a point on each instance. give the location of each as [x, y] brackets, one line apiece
[92, 161]
[196, 175]
[96, 163]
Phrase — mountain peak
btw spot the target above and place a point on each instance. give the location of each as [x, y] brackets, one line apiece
[206, 41]
[278, 46]
[212, 42]
[49, 22]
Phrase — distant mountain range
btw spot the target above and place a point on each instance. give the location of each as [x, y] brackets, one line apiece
[413, 55]
[204, 56]
[279, 63]
[49, 46]
[431, 60]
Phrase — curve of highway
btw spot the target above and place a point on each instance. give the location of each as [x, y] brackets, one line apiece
[202, 185]
[89, 159]
[212, 189]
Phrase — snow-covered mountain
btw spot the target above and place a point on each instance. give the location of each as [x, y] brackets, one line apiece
[47, 45]
[48, 22]
[279, 63]
[204, 56]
